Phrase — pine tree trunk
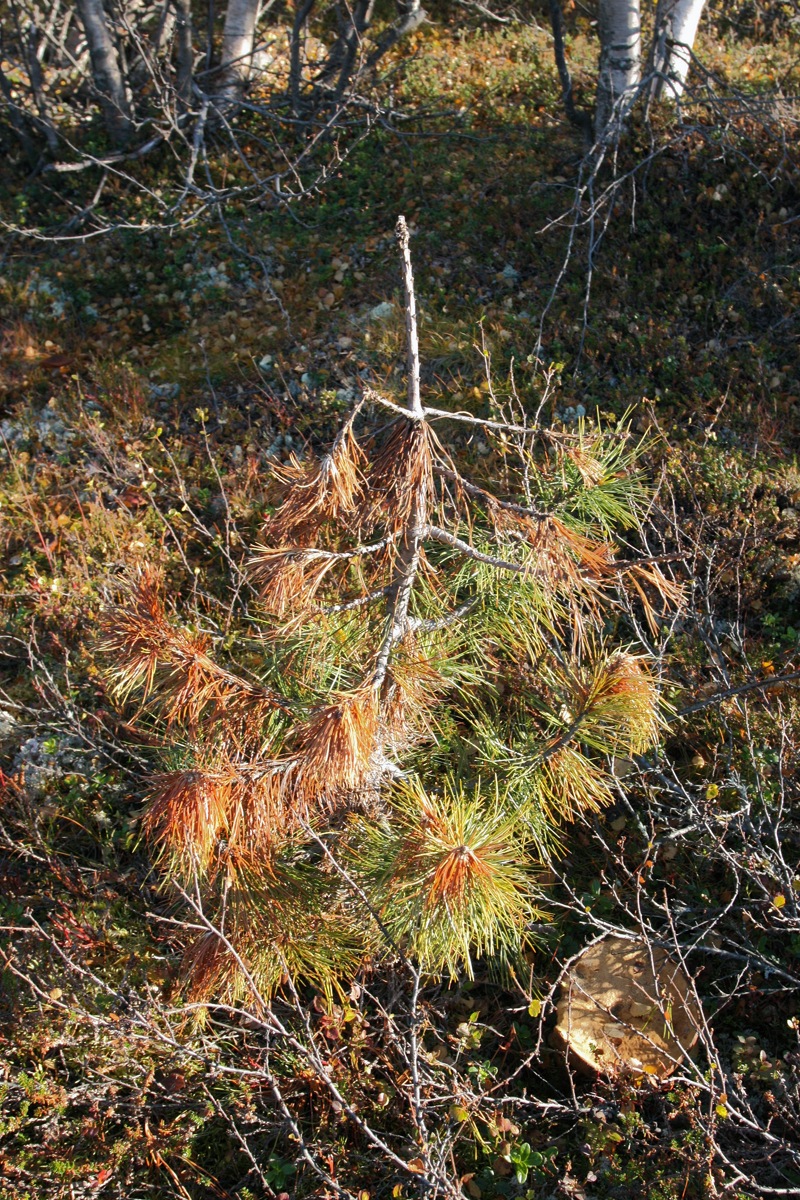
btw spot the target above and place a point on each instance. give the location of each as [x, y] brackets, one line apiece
[676, 29]
[106, 71]
[619, 26]
[238, 38]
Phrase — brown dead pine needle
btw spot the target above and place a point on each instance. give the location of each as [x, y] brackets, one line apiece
[639, 578]
[318, 492]
[590, 469]
[289, 577]
[336, 748]
[400, 476]
[150, 657]
[233, 812]
[564, 559]
[189, 812]
[459, 870]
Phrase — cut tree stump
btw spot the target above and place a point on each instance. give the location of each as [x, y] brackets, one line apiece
[627, 1008]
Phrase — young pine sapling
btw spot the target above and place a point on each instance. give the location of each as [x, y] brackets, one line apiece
[439, 695]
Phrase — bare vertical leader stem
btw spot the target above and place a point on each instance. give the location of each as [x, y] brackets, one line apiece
[414, 401]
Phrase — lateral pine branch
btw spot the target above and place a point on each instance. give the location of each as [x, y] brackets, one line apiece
[444, 414]
[502, 564]
[436, 698]
[472, 489]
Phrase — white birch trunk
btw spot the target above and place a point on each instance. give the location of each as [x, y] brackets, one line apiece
[619, 26]
[238, 39]
[106, 71]
[676, 28]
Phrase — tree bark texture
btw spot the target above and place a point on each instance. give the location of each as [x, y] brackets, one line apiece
[165, 27]
[353, 24]
[238, 39]
[106, 71]
[184, 57]
[676, 29]
[296, 50]
[619, 26]
[37, 86]
[411, 16]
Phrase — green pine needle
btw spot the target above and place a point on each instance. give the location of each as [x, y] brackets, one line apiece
[449, 877]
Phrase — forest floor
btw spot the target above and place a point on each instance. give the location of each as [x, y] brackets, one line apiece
[147, 383]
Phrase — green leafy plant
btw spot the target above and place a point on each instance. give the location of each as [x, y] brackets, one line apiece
[279, 1172]
[437, 697]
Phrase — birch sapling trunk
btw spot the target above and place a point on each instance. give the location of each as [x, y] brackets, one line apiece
[677, 22]
[581, 120]
[165, 28]
[619, 26]
[106, 71]
[354, 26]
[296, 51]
[185, 63]
[238, 41]
[37, 87]
[412, 15]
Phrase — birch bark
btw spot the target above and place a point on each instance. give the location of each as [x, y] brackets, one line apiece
[106, 71]
[619, 26]
[238, 39]
[677, 22]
